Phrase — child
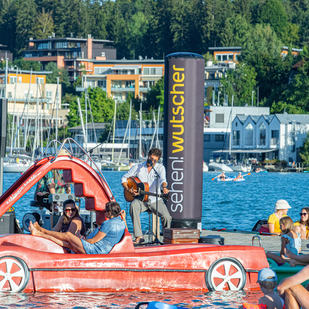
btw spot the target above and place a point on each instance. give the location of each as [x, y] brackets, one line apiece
[289, 240]
[267, 280]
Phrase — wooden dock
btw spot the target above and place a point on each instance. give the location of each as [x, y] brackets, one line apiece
[269, 243]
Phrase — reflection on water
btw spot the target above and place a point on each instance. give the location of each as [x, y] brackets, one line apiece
[126, 300]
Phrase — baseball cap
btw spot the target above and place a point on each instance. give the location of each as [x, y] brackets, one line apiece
[282, 204]
[267, 274]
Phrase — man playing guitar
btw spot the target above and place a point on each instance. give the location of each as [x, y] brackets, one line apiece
[145, 173]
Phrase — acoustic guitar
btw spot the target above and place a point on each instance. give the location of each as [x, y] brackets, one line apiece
[142, 189]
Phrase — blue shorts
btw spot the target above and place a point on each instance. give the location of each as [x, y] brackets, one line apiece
[95, 249]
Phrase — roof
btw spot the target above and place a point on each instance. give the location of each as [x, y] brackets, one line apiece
[255, 118]
[71, 39]
[126, 61]
[238, 48]
[242, 118]
[288, 118]
[268, 118]
[10, 70]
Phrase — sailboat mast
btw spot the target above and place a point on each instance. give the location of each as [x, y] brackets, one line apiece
[27, 119]
[13, 122]
[230, 143]
[114, 127]
[140, 130]
[36, 119]
[57, 108]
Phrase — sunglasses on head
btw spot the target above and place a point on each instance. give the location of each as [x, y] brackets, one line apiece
[303, 213]
[70, 209]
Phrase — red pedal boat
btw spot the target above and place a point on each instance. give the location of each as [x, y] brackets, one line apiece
[33, 264]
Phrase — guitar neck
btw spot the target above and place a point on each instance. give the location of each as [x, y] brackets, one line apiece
[150, 193]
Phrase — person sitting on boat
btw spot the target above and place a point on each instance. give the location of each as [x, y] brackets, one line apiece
[109, 234]
[290, 240]
[144, 171]
[239, 176]
[70, 221]
[222, 176]
[281, 209]
[258, 170]
[294, 294]
[52, 183]
[302, 226]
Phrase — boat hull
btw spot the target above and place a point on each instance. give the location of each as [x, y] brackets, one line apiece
[154, 268]
[230, 179]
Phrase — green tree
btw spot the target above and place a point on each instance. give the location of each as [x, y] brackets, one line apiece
[155, 96]
[27, 64]
[304, 151]
[26, 15]
[102, 107]
[44, 25]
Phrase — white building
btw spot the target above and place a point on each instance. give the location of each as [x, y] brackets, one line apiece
[270, 137]
[217, 127]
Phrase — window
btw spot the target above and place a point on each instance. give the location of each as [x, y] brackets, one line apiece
[219, 118]
[44, 45]
[206, 137]
[90, 84]
[20, 79]
[13, 79]
[153, 71]
[230, 57]
[104, 70]
[224, 57]
[102, 83]
[9, 94]
[49, 94]
[159, 71]
[61, 44]
[219, 138]
[274, 137]
[146, 71]
[237, 57]
[40, 80]
[218, 57]
[249, 135]
[262, 136]
[236, 138]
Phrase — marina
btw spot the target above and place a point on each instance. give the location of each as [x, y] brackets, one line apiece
[246, 203]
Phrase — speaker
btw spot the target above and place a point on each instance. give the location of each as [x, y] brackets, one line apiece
[3, 126]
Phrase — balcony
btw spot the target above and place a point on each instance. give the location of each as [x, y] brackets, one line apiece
[144, 89]
[274, 142]
[123, 89]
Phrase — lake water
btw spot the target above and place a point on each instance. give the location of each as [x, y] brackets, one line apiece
[225, 205]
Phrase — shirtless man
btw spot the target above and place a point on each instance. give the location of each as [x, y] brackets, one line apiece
[222, 176]
[239, 176]
[294, 294]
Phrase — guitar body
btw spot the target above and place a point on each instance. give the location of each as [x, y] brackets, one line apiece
[136, 184]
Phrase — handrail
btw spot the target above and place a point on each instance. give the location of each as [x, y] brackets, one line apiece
[258, 238]
[69, 140]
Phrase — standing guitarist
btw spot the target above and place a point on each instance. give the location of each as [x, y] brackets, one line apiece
[145, 173]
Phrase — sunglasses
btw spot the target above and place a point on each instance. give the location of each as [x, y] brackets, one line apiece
[303, 214]
[70, 209]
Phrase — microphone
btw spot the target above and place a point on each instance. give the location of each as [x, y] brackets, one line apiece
[149, 162]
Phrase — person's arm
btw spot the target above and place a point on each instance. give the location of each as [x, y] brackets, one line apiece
[284, 242]
[163, 182]
[67, 188]
[100, 235]
[130, 173]
[123, 217]
[57, 227]
[288, 282]
[75, 225]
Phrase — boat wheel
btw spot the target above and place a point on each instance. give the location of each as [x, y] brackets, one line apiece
[226, 274]
[14, 274]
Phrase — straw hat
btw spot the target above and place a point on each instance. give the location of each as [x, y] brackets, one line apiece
[282, 204]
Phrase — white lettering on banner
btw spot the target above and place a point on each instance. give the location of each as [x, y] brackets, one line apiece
[16, 193]
[176, 184]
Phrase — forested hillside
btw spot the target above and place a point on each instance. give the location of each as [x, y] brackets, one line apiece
[156, 28]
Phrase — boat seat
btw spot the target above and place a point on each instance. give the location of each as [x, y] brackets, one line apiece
[125, 245]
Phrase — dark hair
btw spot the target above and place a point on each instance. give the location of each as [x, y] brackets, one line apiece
[114, 208]
[306, 223]
[268, 285]
[65, 203]
[156, 152]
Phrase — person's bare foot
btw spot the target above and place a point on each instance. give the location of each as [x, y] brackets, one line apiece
[285, 257]
[37, 226]
[292, 262]
[33, 230]
[289, 254]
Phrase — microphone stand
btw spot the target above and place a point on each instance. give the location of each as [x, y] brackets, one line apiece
[156, 241]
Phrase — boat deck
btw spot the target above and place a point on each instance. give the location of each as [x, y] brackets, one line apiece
[269, 243]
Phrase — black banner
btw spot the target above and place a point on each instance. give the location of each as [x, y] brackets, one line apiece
[183, 136]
